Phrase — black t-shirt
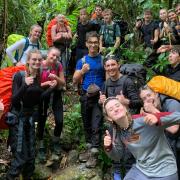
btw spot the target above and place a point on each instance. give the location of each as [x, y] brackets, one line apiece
[81, 32]
[128, 88]
[148, 32]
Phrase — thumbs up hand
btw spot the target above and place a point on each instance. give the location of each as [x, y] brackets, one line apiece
[107, 139]
[102, 98]
[28, 79]
[122, 99]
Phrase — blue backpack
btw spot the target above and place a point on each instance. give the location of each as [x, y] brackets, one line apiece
[27, 44]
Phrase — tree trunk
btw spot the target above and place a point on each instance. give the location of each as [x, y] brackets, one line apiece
[4, 26]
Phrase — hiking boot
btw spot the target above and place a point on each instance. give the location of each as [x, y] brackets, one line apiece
[83, 157]
[92, 162]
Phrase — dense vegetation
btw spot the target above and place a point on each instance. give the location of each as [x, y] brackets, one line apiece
[16, 16]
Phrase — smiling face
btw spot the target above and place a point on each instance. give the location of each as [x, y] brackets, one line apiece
[35, 32]
[34, 61]
[53, 56]
[107, 17]
[115, 110]
[174, 58]
[163, 14]
[60, 19]
[92, 44]
[112, 68]
[148, 96]
[172, 16]
[98, 11]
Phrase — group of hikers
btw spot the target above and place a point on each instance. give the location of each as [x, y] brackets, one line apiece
[134, 142]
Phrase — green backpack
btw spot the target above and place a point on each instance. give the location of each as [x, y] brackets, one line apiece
[13, 38]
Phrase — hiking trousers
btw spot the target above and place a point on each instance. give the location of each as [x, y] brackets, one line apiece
[54, 100]
[92, 119]
[22, 143]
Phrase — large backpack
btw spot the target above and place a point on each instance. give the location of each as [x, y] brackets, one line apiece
[136, 72]
[48, 33]
[124, 29]
[12, 39]
[6, 79]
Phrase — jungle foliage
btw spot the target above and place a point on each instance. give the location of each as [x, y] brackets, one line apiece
[16, 16]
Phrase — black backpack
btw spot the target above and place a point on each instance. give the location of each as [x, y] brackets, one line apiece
[136, 72]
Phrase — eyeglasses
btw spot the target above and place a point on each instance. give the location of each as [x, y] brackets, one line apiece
[93, 42]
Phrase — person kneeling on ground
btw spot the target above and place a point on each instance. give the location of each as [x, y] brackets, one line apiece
[144, 137]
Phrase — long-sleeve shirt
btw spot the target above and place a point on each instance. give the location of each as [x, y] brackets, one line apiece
[19, 46]
[22, 94]
[149, 146]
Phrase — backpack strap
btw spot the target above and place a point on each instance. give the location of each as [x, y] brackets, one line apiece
[26, 45]
[114, 30]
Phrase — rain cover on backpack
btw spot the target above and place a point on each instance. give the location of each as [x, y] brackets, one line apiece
[166, 86]
[13, 38]
[6, 78]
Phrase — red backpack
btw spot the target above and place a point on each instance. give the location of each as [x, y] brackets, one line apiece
[48, 33]
[6, 79]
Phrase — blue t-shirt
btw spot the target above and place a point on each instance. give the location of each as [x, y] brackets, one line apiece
[96, 72]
